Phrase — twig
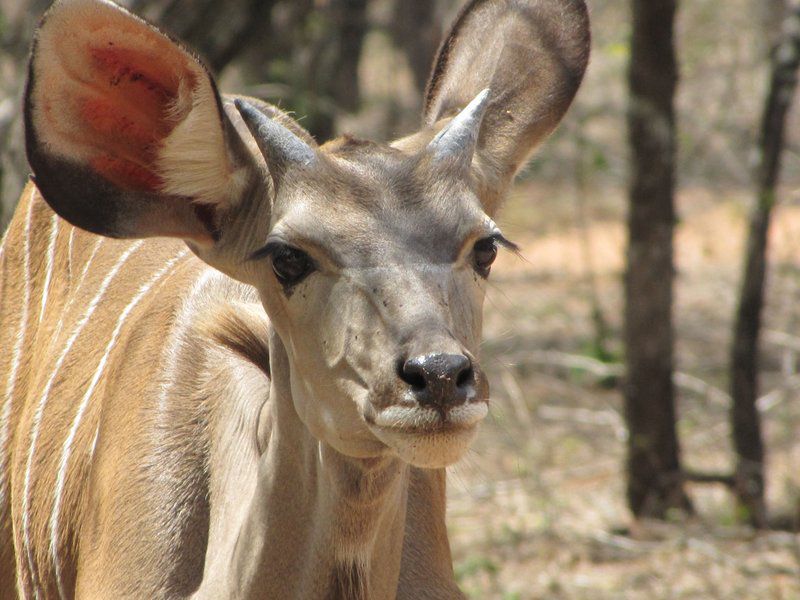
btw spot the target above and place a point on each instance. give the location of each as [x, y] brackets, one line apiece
[782, 339]
[701, 387]
[602, 369]
[576, 361]
[774, 397]
[585, 416]
[517, 398]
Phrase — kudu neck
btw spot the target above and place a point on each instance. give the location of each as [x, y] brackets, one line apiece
[345, 516]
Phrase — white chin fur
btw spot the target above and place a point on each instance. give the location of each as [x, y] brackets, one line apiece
[416, 418]
[417, 437]
[428, 450]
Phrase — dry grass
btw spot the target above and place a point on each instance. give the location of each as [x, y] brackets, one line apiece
[537, 509]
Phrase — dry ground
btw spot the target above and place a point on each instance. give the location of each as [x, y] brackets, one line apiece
[537, 509]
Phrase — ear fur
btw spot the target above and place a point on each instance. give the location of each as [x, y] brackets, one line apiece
[125, 130]
[532, 55]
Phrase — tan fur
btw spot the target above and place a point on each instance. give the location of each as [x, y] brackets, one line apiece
[239, 327]
[224, 342]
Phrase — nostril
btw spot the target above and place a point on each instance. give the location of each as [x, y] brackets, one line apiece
[412, 373]
[466, 377]
[443, 377]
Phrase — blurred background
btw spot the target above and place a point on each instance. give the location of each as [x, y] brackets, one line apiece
[644, 350]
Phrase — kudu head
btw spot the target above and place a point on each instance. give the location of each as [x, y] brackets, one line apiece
[371, 259]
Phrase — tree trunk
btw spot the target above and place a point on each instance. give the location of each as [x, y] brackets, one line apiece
[654, 476]
[416, 29]
[350, 23]
[17, 23]
[219, 32]
[745, 419]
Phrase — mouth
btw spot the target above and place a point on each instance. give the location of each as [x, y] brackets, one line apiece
[417, 420]
[428, 437]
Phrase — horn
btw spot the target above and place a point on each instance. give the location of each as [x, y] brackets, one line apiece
[281, 147]
[458, 139]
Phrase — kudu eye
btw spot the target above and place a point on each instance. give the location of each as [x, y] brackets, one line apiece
[484, 252]
[291, 265]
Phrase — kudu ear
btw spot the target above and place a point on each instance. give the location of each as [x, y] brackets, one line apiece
[531, 56]
[125, 129]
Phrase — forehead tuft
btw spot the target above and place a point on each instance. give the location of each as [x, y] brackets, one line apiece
[350, 147]
[355, 168]
[372, 162]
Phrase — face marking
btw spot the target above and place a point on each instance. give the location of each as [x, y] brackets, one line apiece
[339, 236]
[372, 258]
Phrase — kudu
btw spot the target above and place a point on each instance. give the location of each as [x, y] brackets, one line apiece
[259, 403]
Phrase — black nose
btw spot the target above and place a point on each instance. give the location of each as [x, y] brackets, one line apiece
[441, 380]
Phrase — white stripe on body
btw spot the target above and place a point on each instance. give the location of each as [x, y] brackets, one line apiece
[74, 292]
[170, 355]
[3, 239]
[51, 254]
[93, 447]
[69, 252]
[2, 253]
[37, 418]
[16, 353]
[169, 358]
[67, 447]
[16, 357]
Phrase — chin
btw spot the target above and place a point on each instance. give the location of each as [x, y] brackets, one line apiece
[423, 438]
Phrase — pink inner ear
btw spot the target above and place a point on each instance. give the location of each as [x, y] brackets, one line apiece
[127, 115]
